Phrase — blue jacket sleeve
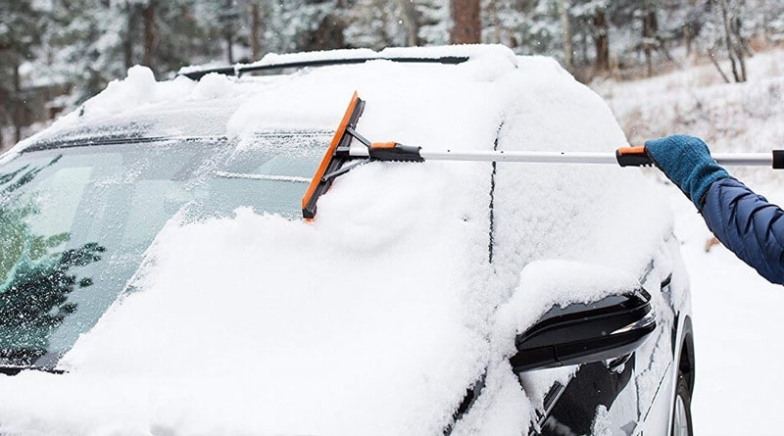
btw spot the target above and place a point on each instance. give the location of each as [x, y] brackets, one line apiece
[748, 225]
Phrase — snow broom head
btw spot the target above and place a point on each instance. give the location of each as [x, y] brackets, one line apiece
[337, 154]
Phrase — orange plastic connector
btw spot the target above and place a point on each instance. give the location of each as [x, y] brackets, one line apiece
[631, 150]
[383, 145]
[633, 157]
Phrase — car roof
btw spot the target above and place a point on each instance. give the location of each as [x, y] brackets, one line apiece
[141, 106]
[490, 99]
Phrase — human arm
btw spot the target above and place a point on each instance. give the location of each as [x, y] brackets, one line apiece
[743, 221]
[748, 225]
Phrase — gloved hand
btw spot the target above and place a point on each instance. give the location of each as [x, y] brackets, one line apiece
[686, 161]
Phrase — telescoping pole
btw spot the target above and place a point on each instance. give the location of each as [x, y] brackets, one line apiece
[629, 156]
[341, 151]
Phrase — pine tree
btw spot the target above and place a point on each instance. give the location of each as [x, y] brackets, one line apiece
[379, 23]
[21, 24]
[306, 25]
[91, 44]
[36, 275]
[766, 19]
[528, 27]
[435, 22]
[593, 17]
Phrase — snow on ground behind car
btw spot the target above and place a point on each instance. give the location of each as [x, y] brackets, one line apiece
[736, 324]
[377, 316]
[730, 117]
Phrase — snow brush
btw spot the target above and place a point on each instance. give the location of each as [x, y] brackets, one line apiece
[340, 152]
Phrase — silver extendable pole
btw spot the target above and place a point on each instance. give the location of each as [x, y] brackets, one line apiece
[521, 156]
[730, 159]
[746, 159]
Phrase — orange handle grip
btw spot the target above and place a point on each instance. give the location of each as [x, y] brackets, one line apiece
[633, 157]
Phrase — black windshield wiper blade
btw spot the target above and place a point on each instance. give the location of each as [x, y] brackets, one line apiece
[237, 70]
[472, 394]
[118, 140]
[16, 369]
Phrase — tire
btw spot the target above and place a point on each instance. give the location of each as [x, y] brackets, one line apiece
[681, 412]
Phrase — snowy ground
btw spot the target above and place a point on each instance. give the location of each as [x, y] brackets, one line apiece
[737, 322]
[737, 314]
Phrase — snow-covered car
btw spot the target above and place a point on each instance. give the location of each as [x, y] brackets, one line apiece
[157, 276]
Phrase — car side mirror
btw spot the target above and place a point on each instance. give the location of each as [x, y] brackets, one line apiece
[583, 333]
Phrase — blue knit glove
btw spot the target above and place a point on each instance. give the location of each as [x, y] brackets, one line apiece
[686, 161]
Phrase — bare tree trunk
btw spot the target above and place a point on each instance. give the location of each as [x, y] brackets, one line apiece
[329, 34]
[742, 63]
[601, 41]
[741, 48]
[3, 116]
[255, 49]
[410, 21]
[127, 44]
[148, 15]
[650, 27]
[567, 35]
[18, 108]
[3, 112]
[660, 44]
[712, 56]
[228, 32]
[731, 45]
[493, 9]
[466, 22]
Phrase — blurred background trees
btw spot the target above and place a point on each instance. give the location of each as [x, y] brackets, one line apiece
[54, 54]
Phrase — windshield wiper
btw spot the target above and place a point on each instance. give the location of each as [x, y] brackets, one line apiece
[472, 394]
[274, 178]
[16, 369]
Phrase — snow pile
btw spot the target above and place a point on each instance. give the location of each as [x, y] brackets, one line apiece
[589, 213]
[141, 106]
[546, 283]
[310, 320]
[376, 317]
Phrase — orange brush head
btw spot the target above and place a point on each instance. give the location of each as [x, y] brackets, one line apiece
[332, 160]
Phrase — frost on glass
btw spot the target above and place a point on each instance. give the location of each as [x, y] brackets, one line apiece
[36, 274]
[75, 222]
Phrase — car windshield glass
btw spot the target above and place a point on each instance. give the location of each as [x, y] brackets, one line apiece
[75, 221]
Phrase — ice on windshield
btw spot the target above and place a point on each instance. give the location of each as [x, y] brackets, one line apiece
[75, 222]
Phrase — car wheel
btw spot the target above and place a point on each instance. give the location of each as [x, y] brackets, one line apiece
[681, 415]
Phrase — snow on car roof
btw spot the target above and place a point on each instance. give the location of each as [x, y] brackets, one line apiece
[376, 317]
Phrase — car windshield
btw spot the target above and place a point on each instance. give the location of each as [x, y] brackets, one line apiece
[76, 220]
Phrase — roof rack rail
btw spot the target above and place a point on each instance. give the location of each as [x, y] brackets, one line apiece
[239, 70]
